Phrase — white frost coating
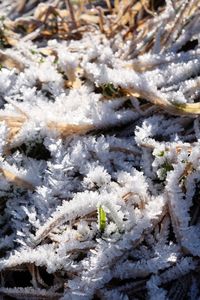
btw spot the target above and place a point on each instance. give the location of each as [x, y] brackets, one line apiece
[124, 78]
[138, 163]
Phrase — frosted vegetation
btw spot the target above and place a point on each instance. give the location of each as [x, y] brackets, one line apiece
[100, 150]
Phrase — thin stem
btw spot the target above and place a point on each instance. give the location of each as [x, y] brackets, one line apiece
[71, 12]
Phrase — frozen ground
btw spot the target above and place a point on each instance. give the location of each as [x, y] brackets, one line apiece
[99, 142]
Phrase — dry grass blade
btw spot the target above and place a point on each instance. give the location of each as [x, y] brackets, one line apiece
[14, 124]
[27, 293]
[178, 23]
[71, 11]
[124, 150]
[192, 109]
[145, 4]
[20, 5]
[176, 227]
[16, 180]
[69, 129]
[108, 3]
[188, 108]
[125, 15]
[101, 19]
[9, 62]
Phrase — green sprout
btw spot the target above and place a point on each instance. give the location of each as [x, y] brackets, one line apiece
[109, 90]
[161, 153]
[33, 51]
[101, 219]
[167, 167]
[41, 60]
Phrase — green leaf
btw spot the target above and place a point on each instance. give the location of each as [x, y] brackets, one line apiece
[161, 153]
[109, 90]
[33, 51]
[102, 218]
[168, 167]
